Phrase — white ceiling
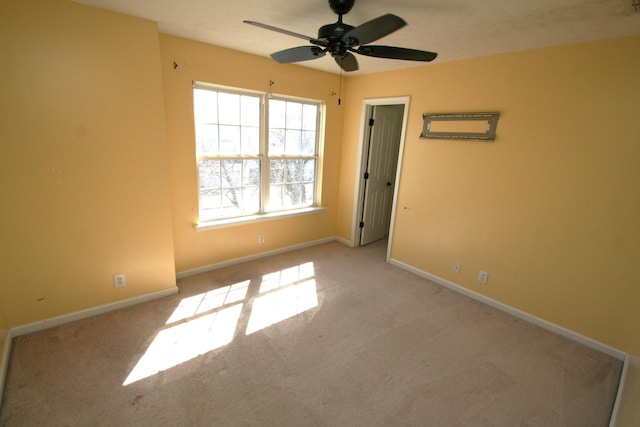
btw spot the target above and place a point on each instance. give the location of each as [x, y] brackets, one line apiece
[455, 29]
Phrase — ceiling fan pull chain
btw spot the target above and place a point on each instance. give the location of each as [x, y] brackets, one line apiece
[340, 88]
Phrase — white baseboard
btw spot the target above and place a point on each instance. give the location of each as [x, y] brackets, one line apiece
[345, 242]
[4, 361]
[83, 314]
[591, 343]
[218, 265]
[616, 406]
[626, 411]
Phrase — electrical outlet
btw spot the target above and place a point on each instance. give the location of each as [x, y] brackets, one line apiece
[457, 266]
[261, 238]
[483, 276]
[119, 280]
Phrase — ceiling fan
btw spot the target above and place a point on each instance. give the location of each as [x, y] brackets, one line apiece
[341, 40]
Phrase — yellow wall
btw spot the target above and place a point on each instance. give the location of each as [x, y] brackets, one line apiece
[551, 209]
[85, 188]
[4, 324]
[201, 62]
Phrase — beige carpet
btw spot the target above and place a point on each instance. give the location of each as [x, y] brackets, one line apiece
[327, 335]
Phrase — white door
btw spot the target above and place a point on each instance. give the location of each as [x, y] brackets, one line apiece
[384, 143]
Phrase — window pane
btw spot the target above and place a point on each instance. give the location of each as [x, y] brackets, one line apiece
[276, 113]
[294, 171]
[205, 106]
[229, 139]
[309, 117]
[276, 142]
[250, 111]
[276, 197]
[231, 173]
[308, 143]
[309, 171]
[230, 202]
[251, 200]
[250, 140]
[206, 139]
[210, 194]
[209, 174]
[229, 108]
[309, 190]
[293, 140]
[210, 203]
[276, 172]
[251, 173]
[295, 195]
[294, 115]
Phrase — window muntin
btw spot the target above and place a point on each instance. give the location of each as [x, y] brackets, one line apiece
[248, 169]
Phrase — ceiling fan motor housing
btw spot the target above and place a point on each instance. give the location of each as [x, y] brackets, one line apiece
[332, 34]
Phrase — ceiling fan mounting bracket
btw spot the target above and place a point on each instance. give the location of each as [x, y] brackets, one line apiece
[341, 7]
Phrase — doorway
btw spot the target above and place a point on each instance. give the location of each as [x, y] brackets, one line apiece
[382, 140]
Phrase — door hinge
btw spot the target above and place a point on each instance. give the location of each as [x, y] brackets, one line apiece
[366, 175]
[361, 224]
[371, 121]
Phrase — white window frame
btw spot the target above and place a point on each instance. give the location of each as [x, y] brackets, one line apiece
[265, 159]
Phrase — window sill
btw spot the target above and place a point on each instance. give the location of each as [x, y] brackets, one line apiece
[230, 222]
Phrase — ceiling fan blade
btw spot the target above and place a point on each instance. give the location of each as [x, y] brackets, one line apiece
[296, 54]
[375, 29]
[287, 32]
[348, 62]
[392, 52]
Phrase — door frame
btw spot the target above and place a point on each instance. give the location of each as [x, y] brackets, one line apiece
[367, 104]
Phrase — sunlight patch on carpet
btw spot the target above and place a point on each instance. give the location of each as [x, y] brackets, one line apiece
[208, 301]
[207, 321]
[284, 294]
[286, 277]
[185, 341]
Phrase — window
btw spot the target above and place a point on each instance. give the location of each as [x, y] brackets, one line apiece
[255, 154]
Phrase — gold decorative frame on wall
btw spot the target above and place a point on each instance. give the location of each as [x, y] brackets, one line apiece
[470, 126]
